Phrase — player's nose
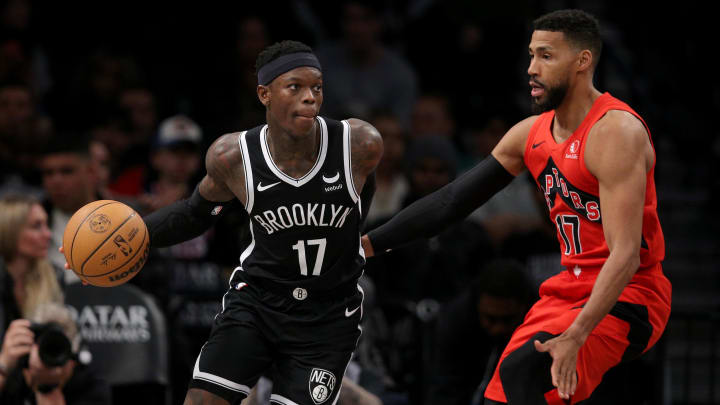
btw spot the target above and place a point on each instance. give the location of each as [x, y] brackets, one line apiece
[308, 96]
[532, 68]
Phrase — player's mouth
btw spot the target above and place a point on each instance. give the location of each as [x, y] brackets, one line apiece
[306, 115]
[536, 89]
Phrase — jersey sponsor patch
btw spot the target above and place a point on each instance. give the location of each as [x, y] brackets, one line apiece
[321, 385]
[216, 210]
[573, 150]
[331, 179]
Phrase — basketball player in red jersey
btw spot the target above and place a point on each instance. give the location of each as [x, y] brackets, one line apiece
[592, 156]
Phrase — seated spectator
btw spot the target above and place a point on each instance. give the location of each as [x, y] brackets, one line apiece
[70, 180]
[392, 185]
[23, 135]
[52, 371]
[472, 331]
[361, 74]
[27, 279]
[414, 279]
[176, 159]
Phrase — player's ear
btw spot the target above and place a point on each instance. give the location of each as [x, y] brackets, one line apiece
[585, 59]
[263, 93]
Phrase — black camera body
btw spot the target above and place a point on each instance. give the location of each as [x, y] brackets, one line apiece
[54, 346]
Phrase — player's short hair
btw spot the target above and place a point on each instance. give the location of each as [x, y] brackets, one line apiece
[277, 50]
[581, 29]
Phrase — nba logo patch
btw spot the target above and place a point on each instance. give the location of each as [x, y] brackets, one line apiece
[216, 210]
[322, 384]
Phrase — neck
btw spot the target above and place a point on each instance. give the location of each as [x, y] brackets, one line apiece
[572, 111]
[286, 146]
[88, 197]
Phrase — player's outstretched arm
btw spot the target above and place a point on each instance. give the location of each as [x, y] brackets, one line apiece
[433, 213]
[189, 218]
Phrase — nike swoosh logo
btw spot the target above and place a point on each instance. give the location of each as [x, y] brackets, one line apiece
[535, 145]
[348, 314]
[332, 179]
[263, 188]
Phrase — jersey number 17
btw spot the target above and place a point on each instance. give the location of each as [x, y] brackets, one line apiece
[302, 257]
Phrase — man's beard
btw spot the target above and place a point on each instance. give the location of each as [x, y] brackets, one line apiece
[553, 97]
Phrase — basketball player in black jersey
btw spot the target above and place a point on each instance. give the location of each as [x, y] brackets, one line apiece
[293, 308]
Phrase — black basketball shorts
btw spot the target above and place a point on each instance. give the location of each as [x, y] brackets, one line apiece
[302, 345]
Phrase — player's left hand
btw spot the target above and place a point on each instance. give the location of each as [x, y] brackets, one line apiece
[67, 266]
[564, 351]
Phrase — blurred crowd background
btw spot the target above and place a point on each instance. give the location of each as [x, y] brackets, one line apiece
[119, 100]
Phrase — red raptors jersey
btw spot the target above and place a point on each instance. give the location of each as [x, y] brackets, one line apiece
[572, 196]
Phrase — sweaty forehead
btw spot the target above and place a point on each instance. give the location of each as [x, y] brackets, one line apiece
[302, 73]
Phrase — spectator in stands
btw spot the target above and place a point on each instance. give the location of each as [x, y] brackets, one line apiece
[27, 279]
[176, 158]
[432, 115]
[407, 278]
[361, 75]
[70, 181]
[23, 135]
[392, 185]
[50, 375]
[473, 329]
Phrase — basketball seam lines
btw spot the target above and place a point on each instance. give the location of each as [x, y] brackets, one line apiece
[82, 267]
[130, 259]
[78, 230]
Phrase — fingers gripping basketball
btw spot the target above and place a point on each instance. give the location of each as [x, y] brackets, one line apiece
[106, 243]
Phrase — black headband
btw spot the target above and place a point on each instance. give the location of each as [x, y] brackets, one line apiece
[285, 63]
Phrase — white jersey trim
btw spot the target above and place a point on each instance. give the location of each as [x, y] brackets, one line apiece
[250, 248]
[313, 171]
[217, 380]
[347, 157]
[249, 190]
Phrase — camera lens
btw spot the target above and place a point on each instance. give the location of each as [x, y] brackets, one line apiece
[53, 346]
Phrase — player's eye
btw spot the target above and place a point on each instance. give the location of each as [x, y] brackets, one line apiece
[293, 86]
[317, 88]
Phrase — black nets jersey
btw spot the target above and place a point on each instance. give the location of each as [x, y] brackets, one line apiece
[305, 231]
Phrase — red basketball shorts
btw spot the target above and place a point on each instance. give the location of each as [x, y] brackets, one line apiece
[632, 327]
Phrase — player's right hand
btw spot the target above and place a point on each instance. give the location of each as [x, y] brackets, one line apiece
[17, 342]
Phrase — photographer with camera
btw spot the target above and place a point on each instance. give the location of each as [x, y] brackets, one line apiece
[50, 372]
[37, 362]
[27, 279]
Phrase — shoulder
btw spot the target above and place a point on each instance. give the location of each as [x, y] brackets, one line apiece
[616, 140]
[365, 137]
[617, 129]
[366, 146]
[514, 140]
[224, 155]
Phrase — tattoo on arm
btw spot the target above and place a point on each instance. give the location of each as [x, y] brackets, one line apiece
[366, 148]
[224, 170]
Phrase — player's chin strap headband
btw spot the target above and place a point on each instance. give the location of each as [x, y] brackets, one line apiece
[285, 63]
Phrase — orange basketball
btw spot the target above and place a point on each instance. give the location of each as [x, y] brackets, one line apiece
[106, 243]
